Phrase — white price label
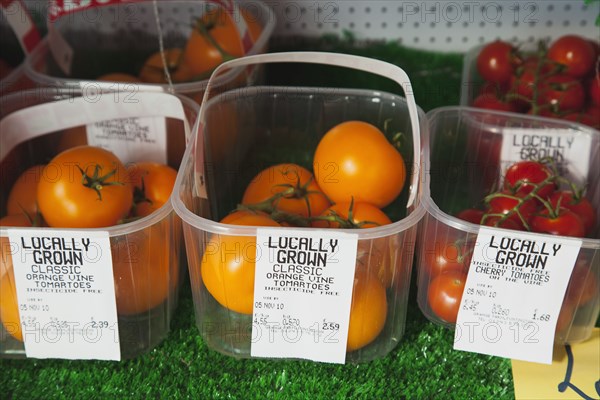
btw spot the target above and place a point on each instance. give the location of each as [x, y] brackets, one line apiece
[131, 139]
[513, 294]
[65, 292]
[302, 294]
[569, 149]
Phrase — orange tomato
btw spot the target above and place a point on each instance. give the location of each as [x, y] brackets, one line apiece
[145, 269]
[22, 197]
[235, 215]
[228, 266]
[373, 254]
[352, 215]
[152, 184]
[118, 77]
[299, 192]
[254, 26]
[84, 187]
[355, 160]
[213, 39]
[368, 310]
[9, 307]
[22, 220]
[153, 70]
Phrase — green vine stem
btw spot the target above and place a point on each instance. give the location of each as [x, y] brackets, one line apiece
[96, 182]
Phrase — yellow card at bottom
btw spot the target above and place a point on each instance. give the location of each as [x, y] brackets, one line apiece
[573, 374]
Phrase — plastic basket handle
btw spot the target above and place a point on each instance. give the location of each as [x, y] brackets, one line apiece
[360, 63]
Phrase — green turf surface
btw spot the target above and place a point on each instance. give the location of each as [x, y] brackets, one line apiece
[423, 365]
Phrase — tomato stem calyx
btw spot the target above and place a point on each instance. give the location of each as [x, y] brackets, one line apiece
[97, 181]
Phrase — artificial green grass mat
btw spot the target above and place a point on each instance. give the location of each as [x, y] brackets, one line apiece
[422, 366]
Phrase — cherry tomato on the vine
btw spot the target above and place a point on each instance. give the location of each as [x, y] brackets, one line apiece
[583, 285]
[580, 206]
[493, 102]
[594, 90]
[496, 62]
[447, 256]
[524, 176]
[472, 215]
[562, 222]
[513, 205]
[562, 93]
[575, 53]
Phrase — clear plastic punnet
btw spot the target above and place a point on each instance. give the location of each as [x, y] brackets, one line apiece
[122, 42]
[468, 153]
[105, 292]
[259, 289]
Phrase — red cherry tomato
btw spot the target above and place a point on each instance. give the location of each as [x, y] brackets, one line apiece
[524, 176]
[506, 203]
[562, 93]
[471, 215]
[493, 102]
[579, 205]
[506, 224]
[447, 256]
[564, 222]
[495, 62]
[583, 285]
[583, 118]
[594, 90]
[524, 82]
[575, 53]
[445, 293]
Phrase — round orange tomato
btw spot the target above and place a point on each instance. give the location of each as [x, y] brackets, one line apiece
[84, 187]
[293, 186]
[352, 215]
[248, 216]
[228, 266]
[22, 220]
[118, 77]
[22, 197]
[355, 160]
[152, 184]
[214, 39]
[145, 269]
[368, 310]
[9, 306]
[153, 70]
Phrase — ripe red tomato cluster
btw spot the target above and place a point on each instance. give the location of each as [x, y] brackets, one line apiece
[561, 80]
[530, 199]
